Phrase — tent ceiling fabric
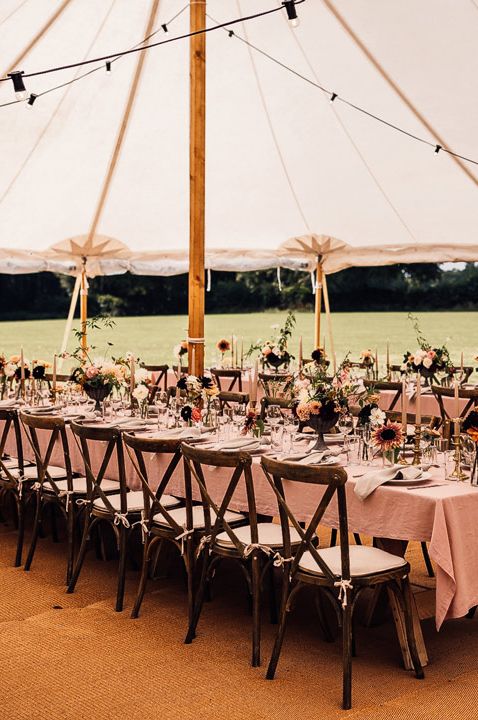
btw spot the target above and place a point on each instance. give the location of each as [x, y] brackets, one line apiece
[282, 161]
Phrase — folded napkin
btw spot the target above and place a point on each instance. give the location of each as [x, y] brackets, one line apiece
[369, 482]
[8, 403]
[312, 458]
[178, 434]
[239, 444]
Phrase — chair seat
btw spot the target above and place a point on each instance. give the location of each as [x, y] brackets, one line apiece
[364, 560]
[135, 501]
[79, 485]
[179, 515]
[31, 473]
[11, 463]
[270, 534]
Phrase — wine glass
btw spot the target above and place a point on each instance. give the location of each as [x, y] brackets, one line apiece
[274, 415]
[345, 423]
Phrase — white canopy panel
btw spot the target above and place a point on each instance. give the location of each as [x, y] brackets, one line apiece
[282, 161]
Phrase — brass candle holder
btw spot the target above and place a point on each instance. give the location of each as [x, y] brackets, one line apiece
[417, 452]
[457, 473]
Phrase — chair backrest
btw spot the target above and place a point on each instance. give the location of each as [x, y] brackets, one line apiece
[395, 387]
[232, 377]
[227, 398]
[274, 384]
[138, 449]
[468, 394]
[100, 449]
[182, 371]
[59, 377]
[43, 433]
[431, 421]
[11, 425]
[161, 372]
[239, 465]
[333, 479]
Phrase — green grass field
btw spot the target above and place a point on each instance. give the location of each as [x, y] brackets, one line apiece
[153, 338]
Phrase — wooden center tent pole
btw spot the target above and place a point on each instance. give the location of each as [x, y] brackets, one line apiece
[197, 186]
[318, 303]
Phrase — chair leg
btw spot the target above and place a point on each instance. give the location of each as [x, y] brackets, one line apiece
[272, 595]
[190, 564]
[412, 645]
[21, 529]
[358, 539]
[121, 569]
[70, 524]
[191, 634]
[347, 657]
[333, 537]
[428, 562]
[36, 526]
[271, 670]
[81, 554]
[54, 524]
[256, 610]
[143, 580]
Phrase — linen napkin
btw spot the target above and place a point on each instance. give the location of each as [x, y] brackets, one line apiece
[177, 434]
[248, 444]
[369, 482]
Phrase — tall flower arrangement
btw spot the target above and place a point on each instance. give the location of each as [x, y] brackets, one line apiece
[200, 394]
[274, 351]
[426, 360]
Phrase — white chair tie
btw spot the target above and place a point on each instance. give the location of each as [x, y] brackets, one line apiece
[185, 534]
[36, 486]
[20, 482]
[67, 494]
[279, 561]
[83, 501]
[121, 519]
[144, 527]
[203, 543]
[344, 585]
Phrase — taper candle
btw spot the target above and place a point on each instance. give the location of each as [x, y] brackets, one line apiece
[131, 374]
[300, 353]
[254, 380]
[418, 406]
[457, 399]
[54, 374]
[404, 407]
[242, 353]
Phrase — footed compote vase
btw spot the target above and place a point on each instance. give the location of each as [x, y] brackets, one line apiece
[320, 426]
[98, 393]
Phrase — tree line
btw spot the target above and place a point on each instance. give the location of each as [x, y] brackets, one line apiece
[396, 287]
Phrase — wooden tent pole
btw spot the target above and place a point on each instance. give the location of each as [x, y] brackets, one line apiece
[318, 303]
[84, 309]
[329, 322]
[197, 186]
[69, 322]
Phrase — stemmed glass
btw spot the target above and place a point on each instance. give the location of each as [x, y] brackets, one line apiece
[345, 423]
[274, 415]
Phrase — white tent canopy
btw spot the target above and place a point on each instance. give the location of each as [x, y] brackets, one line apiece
[282, 161]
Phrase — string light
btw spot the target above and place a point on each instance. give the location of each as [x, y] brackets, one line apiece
[437, 149]
[291, 13]
[18, 84]
[108, 66]
[165, 27]
[32, 98]
[332, 97]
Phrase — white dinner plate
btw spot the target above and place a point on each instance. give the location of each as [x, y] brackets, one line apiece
[416, 481]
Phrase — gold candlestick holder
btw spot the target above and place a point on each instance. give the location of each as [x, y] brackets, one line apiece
[457, 473]
[417, 453]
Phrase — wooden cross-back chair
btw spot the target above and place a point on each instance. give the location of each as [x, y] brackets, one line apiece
[121, 509]
[164, 518]
[226, 399]
[60, 377]
[395, 387]
[468, 394]
[162, 378]
[431, 422]
[55, 486]
[272, 382]
[457, 372]
[341, 572]
[228, 379]
[13, 483]
[256, 546]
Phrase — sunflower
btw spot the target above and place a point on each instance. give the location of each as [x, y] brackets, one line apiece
[223, 345]
[388, 437]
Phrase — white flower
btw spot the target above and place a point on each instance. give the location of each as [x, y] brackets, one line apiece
[377, 416]
[141, 375]
[277, 351]
[427, 362]
[141, 392]
[10, 369]
[417, 360]
[404, 367]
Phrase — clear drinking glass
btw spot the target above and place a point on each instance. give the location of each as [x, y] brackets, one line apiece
[274, 415]
[277, 434]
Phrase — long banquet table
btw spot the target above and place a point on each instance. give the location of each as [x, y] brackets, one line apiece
[445, 516]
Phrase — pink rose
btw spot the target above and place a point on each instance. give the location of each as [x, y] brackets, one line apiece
[431, 354]
[91, 372]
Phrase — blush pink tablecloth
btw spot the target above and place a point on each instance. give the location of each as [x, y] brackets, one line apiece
[429, 405]
[445, 516]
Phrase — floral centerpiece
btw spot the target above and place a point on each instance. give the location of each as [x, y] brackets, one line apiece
[98, 377]
[320, 399]
[367, 359]
[141, 390]
[39, 368]
[319, 357]
[253, 424]
[274, 352]
[426, 360]
[200, 393]
[179, 350]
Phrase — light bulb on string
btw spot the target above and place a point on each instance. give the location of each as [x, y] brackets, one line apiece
[291, 13]
[108, 67]
[437, 149]
[32, 99]
[18, 84]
